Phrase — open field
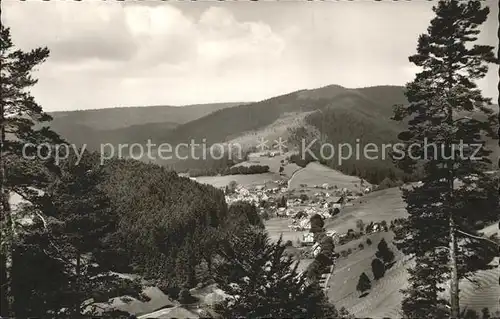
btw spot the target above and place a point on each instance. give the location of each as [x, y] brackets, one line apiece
[487, 291]
[384, 299]
[485, 294]
[277, 227]
[317, 174]
[381, 205]
[274, 163]
[243, 180]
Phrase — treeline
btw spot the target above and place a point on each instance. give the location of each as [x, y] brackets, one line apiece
[236, 170]
[167, 222]
[205, 164]
[341, 126]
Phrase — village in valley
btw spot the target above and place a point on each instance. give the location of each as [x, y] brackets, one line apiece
[212, 160]
[288, 212]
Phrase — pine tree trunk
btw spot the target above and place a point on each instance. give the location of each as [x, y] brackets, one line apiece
[6, 225]
[454, 290]
[454, 287]
[18, 304]
[209, 265]
[76, 309]
[5, 257]
[4, 305]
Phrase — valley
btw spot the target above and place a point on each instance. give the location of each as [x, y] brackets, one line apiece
[199, 159]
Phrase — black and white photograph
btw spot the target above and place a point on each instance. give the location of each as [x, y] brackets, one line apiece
[249, 159]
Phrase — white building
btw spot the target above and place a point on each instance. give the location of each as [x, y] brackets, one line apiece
[308, 238]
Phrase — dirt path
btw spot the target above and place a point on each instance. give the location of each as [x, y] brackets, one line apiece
[293, 174]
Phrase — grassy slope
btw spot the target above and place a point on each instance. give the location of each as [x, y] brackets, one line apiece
[317, 174]
[487, 292]
[273, 163]
[244, 180]
[384, 298]
[377, 206]
[312, 174]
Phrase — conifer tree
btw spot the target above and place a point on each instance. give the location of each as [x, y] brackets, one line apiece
[317, 224]
[447, 119]
[378, 268]
[384, 252]
[19, 114]
[80, 222]
[263, 283]
[243, 214]
[422, 297]
[364, 283]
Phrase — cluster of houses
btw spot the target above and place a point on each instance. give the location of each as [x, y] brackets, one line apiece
[272, 197]
[308, 240]
[258, 194]
[328, 186]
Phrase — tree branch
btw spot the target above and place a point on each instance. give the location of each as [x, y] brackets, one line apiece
[478, 237]
[42, 218]
[473, 281]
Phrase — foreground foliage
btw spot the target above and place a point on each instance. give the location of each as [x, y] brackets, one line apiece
[455, 194]
[19, 115]
[264, 283]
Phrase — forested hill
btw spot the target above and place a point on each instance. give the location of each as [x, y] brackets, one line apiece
[126, 124]
[166, 222]
[120, 117]
[229, 123]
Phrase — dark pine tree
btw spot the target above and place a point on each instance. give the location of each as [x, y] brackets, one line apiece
[384, 252]
[420, 302]
[19, 114]
[317, 224]
[243, 214]
[447, 118]
[378, 268]
[485, 313]
[264, 283]
[364, 283]
[79, 222]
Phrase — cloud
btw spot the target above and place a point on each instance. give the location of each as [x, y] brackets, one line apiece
[99, 47]
[106, 54]
[74, 31]
[79, 31]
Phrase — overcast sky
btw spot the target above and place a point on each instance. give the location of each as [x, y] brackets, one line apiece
[109, 53]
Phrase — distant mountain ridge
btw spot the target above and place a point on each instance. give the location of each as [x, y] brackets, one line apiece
[120, 117]
[334, 113]
[374, 103]
[126, 124]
